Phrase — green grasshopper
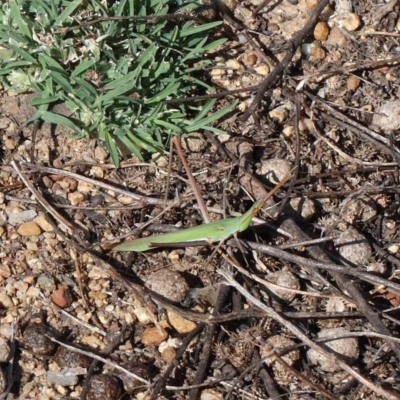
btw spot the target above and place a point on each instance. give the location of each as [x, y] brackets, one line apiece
[213, 232]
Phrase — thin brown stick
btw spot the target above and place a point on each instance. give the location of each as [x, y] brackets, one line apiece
[49, 208]
[106, 186]
[175, 141]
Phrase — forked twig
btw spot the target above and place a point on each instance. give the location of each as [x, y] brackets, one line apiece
[106, 186]
[49, 208]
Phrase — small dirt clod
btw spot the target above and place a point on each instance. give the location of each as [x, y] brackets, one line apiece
[104, 387]
[346, 347]
[35, 338]
[169, 284]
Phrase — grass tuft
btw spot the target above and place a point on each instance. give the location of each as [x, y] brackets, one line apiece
[113, 75]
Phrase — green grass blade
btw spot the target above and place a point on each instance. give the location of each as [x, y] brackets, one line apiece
[60, 120]
[67, 12]
[167, 125]
[131, 146]
[200, 28]
[212, 118]
[205, 110]
[82, 67]
[19, 20]
[112, 148]
[44, 100]
[24, 54]
[171, 88]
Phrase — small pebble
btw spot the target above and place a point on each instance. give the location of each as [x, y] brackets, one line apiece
[10, 144]
[104, 387]
[57, 178]
[168, 354]
[321, 31]
[279, 114]
[234, 64]
[11, 209]
[43, 223]
[62, 297]
[97, 172]
[143, 315]
[47, 182]
[285, 279]
[66, 377]
[97, 200]
[262, 69]
[154, 336]
[346, 347]
[304, 207]
[31, 246]
[4, 123]
[211, 394]
[46, 282]
[29, 229]
[132, 385]
[57, 163]
[5, 270]
[353, 83]
[250, 59]
[312, 3]
[5, 301]
[317, 53]
[182, 325]
[352, 22]
[387, 115]
[35, 339]
[354, 247]
[275, 170]
[100, 153]
[85, 187]
[126, 200]
[76, 198]
[69, 183]
[66, 358]
[169, 284]
[218, 72]
[194, 142]
[6, 330]
[337, 38]
[18, 218]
